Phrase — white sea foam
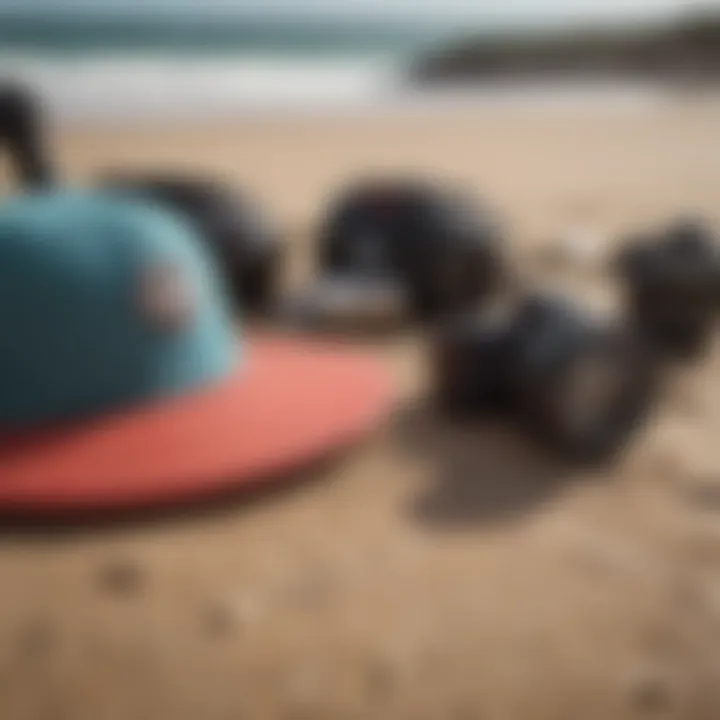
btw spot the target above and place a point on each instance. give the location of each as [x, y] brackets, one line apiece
[168, 87]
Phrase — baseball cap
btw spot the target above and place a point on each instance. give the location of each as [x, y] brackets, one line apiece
[124, 377]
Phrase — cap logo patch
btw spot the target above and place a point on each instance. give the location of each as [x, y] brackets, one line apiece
[165, 297]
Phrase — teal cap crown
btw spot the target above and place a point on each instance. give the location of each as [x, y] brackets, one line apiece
[105, 303]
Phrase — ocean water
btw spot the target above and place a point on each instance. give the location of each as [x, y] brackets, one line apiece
[101, 70]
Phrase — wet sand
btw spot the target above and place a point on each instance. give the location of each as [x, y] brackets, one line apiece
[434, 572]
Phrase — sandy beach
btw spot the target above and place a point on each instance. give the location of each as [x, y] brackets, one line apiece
[435, 572]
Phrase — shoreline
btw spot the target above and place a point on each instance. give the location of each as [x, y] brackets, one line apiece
[400, 102]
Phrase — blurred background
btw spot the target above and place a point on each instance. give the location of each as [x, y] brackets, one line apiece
[110, 58]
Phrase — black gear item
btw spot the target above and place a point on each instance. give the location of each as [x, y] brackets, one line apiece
[445, 250]
[22, 131]
[248, 250]
[672, 287]
[580, 384]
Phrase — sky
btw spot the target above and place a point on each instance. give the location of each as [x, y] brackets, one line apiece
[489, 10]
